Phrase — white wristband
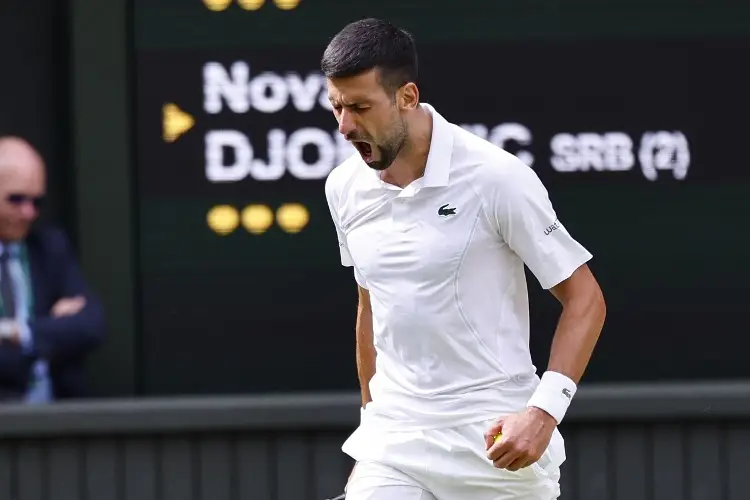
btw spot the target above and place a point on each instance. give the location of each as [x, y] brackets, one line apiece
[553, 395]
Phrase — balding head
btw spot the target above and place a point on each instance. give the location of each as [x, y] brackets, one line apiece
[22, 186]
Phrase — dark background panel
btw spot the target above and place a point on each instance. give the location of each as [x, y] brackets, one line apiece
[243, 313]
[101, 144]
[175, 24]
[668, 252]
[33, 93]
[665, 87]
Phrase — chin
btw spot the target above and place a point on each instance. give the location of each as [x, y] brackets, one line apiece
[380, 164]
[376, 165]
[15, 235]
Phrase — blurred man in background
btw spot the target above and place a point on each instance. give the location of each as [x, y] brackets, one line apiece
[49, 319]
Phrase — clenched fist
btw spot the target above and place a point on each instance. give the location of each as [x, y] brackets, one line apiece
[525, 437]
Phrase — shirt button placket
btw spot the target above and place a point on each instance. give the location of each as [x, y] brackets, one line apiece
[400, 207]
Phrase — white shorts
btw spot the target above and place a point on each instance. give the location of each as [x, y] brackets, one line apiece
[444, 464]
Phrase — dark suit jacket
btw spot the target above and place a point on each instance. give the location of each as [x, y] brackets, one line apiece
[63, 342]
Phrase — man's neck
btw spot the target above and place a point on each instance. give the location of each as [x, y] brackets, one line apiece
[412, 160]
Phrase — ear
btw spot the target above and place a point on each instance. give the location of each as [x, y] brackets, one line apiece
[408, 96]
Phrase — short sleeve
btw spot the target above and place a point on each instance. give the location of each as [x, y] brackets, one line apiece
[346, 258]
[525, 218]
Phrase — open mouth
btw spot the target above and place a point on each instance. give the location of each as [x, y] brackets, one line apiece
[365, 150]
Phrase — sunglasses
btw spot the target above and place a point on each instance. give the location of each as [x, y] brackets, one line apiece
[20, 199]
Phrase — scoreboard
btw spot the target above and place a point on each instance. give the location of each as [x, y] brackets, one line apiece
[632, 113]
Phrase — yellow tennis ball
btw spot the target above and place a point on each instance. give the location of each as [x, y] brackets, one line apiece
[498, 437]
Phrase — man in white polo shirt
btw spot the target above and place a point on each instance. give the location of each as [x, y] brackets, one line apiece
[438, 224]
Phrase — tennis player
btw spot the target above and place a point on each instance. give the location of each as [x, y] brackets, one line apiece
[438, 224]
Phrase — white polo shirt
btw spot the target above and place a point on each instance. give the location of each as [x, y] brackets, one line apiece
[443, 260]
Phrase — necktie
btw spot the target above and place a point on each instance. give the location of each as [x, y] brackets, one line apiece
[6, 286]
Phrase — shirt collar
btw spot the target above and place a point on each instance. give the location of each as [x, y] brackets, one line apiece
[441, 148]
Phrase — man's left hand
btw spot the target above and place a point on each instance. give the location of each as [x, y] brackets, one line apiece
[525, 437]
[68, 306]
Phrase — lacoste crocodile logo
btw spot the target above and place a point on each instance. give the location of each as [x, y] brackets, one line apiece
[444, 211]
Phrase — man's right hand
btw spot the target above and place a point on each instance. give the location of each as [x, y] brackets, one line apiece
[68, 306]
[9, 331]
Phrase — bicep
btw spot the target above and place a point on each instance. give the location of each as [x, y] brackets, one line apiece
[580, 284]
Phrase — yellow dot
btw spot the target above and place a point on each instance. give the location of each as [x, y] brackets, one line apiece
[223, 219]
[292, 217]
[286, 4]
[251, 4]
[217, 5]
[257, 218]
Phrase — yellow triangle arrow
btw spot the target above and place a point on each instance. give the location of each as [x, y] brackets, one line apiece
[175, 122]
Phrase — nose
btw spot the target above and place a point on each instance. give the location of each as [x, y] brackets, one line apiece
[346, 123]
[28, 210]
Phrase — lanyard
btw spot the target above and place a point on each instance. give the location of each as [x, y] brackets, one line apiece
[24, 287]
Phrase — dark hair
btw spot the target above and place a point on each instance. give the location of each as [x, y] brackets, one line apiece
[372, 44]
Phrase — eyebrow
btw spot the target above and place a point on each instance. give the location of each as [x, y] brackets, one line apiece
[362, 102]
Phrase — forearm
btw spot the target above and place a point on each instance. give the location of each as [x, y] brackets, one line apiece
[576, 335]
[365, 352]
[69, 335]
